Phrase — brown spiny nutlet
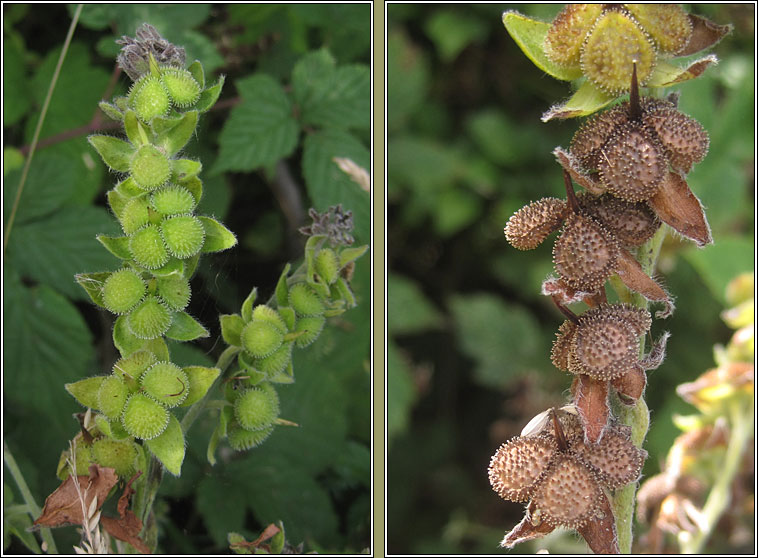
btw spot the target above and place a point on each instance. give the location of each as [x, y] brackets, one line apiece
[603, 343]
[562, 475]
[530, 225]
[632, 154]
[632, 224]
[585, 254]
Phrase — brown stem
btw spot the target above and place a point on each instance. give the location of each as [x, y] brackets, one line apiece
[564, 310]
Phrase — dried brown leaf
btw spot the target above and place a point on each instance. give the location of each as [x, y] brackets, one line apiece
[128, 526]
[64, 507]
[705, 34]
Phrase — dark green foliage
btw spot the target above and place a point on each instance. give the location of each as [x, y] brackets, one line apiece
[467, 365]
[57, 336]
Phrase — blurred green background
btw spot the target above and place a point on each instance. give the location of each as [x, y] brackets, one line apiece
[315, 478]
[469, 332]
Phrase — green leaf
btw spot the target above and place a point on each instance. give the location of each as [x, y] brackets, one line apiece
[54, 249]
[208, 97]
[332, 96]
[503, 339]
[350, 254]
[587, 100]
[134, 130]
[408, 70]
[126, 342]
[408, 310]
[169, 447]
[328, 185]
[247, 305]
[117, 201]
[116, 245]
[282, 292]
[222, 510]
[721, 262]
[666, 74]
[85, 391]
[18, 522]
[259, 131]
[111, 111]
[217, 236]
[48, 345]
[115, 152]
[453, 31]
[231, 328]
[174, 133]
[92, 283]
[185, 169]
[529, 35]
[196, 69]
[401, 392]
[48, 185]
[16, 100]
[185, 328]
[200, 378]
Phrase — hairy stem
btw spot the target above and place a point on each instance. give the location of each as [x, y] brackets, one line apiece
[31, 504]
[636, 416]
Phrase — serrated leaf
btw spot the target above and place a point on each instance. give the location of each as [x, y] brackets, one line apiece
[133, 129]
[332, 96]
[587, 100]
[115, 152]
[231, 328]
[116, 245]
[85, 391]
[328, 185]
[126, 342]
[208, 97]
[217, 236]
[48, 184]
[185, 328]
[173, 134]
[282, 292]
[54, 249]
[48, 345]
[200, 378]
[259, 131]
[529, 35]
[169, 447]
[92, 283]
[247, 305]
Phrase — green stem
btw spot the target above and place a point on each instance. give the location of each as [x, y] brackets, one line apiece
[26, 494]
[741, 416]
[636, 416]
[223, 362]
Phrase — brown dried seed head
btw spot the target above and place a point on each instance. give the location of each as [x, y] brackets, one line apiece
[632, 224]
[615, 459]
[585, 253]
[633, 164]
[638, 319]
[530, 225]
[588, 141]
[518, 465]
[667, 24]
[613, 46]
[684, 139]
[562, 344]
[564, 39]
[605, 347]
[569, 495]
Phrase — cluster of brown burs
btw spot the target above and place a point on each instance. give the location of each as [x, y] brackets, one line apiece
[631, 161]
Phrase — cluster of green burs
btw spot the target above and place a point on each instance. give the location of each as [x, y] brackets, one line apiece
[267, 333]
[162, 241]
